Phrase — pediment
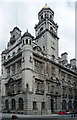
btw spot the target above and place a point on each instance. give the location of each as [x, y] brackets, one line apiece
[11, 80]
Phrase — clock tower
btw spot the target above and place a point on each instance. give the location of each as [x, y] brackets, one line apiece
[46, 33]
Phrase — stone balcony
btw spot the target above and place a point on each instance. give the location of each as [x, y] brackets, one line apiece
[53, 94]
[41, 92]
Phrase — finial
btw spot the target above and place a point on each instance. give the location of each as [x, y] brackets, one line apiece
[27, 30]
[45, 4]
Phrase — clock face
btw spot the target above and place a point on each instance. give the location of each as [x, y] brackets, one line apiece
[52, 45]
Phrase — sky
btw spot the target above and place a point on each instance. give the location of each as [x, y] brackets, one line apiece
[24, 14]
[76, 31]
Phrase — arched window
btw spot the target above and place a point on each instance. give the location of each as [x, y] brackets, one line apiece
[69, 82]
[23, 42]
[26, 41]
[4, 57]
[6, 104]
[13, 104]
[30, 42]
[45, 15]
[38, 86]
[27, 86]
[20, 101]
[52, 90]
[50, 16]
[63, 80]
[63, 105]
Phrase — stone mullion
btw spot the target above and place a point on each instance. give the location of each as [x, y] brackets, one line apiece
[16, 68]
[10, 70]
[14, 87]
[17, 105]
[10, 107]
[34, 86]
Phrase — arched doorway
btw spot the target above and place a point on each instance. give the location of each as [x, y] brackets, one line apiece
[75, 104]
[20, 102]
[52, 105]
[70, 105]
[13, 104]
[6, 105]
[63, 105]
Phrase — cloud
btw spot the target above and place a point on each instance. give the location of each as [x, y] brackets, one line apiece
[66, 21]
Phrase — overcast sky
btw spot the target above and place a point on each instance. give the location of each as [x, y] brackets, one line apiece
[24, 14]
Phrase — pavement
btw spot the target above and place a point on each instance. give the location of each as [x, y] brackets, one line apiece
[38, 117]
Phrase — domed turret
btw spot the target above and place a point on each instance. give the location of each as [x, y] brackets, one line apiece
[27, 38]
[27, 58]
[27, 34]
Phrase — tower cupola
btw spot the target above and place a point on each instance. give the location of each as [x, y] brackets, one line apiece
[46, 22]
[46, 11]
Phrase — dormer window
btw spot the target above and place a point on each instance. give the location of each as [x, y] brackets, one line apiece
[41, 28]
[42, 17]
[8, 56]
[51, 28]
[13, 53]
[43, 48]
[13, 36]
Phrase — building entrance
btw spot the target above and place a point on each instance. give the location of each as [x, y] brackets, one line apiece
[52, 105]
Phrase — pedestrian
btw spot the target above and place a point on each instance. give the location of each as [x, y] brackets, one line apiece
[74, 113]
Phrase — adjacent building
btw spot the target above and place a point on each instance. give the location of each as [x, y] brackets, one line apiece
[35, 80]
[0, 96]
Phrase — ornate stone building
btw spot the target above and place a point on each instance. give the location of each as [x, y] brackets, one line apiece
[35, 80]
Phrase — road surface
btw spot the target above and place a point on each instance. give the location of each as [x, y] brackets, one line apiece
[38, 117]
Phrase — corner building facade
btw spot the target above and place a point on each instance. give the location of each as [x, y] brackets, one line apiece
[35, 80]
